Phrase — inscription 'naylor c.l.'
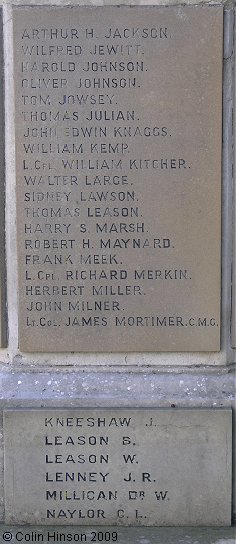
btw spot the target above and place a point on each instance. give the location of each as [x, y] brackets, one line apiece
[118, 144]
[94, 466]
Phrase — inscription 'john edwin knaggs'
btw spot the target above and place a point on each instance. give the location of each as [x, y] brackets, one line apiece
[118, 178]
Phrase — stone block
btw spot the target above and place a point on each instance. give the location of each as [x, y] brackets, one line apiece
[118, 154]
[118, 466]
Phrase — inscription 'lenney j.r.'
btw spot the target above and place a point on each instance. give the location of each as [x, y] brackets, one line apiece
[118, 164]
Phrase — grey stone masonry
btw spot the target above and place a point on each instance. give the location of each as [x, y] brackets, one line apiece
[132, 379]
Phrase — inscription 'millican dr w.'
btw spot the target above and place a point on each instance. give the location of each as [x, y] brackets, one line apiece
[118, 144]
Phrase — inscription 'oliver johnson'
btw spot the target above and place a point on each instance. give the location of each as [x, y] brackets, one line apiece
[118, 143]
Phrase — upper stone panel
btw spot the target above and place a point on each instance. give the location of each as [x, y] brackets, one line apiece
[118, 154]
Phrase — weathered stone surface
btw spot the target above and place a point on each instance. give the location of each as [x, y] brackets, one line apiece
[118, 466]
[118, 114]
[3, 320]
[233, 329]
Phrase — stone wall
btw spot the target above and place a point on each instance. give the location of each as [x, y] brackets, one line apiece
[191, 380]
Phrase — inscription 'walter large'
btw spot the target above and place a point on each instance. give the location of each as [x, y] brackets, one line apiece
[118, 177]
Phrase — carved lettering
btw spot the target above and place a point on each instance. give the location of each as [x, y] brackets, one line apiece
[116, 152]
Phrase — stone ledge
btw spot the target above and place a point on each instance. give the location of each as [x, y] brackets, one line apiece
[116, 388]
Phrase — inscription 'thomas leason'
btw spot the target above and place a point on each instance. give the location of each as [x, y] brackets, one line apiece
[118, 163]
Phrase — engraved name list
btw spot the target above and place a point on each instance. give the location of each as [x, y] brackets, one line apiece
[93, 466]
[118, 178]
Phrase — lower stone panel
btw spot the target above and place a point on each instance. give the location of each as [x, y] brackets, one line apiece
[118, 466]
[36, 393]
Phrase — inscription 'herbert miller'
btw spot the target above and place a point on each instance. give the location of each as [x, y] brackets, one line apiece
[109, 180]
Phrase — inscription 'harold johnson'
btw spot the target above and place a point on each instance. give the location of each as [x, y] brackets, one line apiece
[118, 165]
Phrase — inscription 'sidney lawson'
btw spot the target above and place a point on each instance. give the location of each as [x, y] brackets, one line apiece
[93, 466]
[118, 137]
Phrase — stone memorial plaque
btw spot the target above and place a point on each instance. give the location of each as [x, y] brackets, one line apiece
[118, 466]
[118, 154]
[3, 319]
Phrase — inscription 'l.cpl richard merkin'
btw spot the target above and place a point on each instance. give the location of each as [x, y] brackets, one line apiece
[118, 146]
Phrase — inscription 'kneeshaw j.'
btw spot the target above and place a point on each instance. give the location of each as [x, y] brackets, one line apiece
[118, 144]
